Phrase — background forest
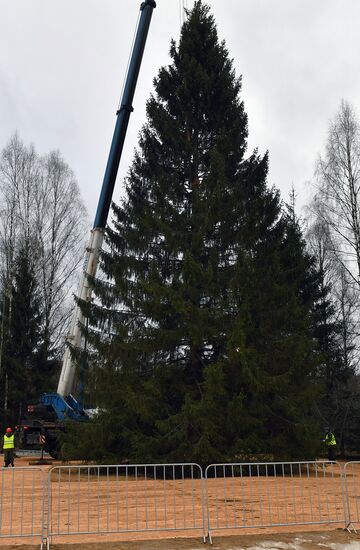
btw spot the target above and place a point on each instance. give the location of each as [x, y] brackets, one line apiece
[42, 230]
[223, 326]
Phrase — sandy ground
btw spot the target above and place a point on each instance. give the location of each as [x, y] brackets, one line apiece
[84, 503]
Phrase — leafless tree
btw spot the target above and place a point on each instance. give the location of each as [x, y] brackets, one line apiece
[343, 293]
[61, 229]
[19, 173]
[337, 200]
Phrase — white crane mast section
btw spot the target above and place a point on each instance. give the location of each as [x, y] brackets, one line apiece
[73, 339]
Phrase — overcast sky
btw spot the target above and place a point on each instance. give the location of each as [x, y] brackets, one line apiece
[62, 65]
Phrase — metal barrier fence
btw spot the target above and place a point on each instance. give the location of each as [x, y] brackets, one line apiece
[144, 498]
[273, 494]
[118, 499]
[352, 492]
[22, 494]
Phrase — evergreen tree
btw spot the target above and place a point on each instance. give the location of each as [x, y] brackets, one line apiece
[25, 370]
[208, 352]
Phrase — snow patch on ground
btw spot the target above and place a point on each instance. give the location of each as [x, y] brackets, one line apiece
[352, 545]
[298, 545]
[271, 545]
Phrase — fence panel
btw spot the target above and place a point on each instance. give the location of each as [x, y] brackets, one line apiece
[125, 498]
[22, 495]
[273, 494]
[352, 492]
[99, 500]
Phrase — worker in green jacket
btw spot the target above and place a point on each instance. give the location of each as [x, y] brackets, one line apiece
[330, 442]
[9, 447]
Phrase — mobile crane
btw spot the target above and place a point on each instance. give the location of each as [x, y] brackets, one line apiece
[63, 403]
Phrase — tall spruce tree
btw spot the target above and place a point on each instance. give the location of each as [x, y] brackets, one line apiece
[206, 349]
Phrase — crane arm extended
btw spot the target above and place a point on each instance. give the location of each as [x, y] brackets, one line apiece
[67, 376]
[62, 401]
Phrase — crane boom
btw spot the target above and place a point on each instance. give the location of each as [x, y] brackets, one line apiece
[63, 402]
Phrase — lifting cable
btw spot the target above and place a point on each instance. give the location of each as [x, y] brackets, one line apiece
[183, 6]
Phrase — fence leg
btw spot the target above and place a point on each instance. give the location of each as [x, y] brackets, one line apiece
[349, 526]
[45, 543]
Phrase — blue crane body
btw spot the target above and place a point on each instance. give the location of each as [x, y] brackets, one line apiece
[65, 405]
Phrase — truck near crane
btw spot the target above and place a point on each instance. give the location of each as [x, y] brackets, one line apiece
[45, 419]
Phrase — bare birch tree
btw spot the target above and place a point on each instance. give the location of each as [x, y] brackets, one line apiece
[342, 290]
[334, 240]
[337, 200]
[61, 229]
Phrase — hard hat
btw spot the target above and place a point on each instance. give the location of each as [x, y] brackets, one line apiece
[8, 430]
